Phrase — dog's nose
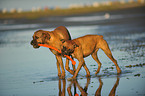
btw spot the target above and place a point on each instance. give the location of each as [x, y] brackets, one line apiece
[64, 52]
[31, 42]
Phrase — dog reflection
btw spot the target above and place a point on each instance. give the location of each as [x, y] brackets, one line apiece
[98, 92]
[81, 89]
[75, 85]
[112, 92]
[62, 92]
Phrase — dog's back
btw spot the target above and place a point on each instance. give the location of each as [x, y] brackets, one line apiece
[88, 43]
[89, 39]
[62, 32]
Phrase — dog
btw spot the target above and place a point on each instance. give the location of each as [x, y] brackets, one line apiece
[85, 46]
[53, 38]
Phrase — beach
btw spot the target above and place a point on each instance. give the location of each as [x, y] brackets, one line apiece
[25, 71]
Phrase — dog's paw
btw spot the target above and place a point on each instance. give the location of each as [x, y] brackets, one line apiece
[62, 77]
[88, 75]
[118, 71]
[72, 72]
[97, 71]
[59, 74]
[71, 79]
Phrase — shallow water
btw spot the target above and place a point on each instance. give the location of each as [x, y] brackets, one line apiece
[25, 71]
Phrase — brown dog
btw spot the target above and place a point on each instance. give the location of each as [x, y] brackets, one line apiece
[83, 47]
[53, 38]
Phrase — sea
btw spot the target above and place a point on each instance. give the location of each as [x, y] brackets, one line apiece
[27, 5]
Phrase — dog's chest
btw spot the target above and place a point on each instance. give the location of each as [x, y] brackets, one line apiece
[73, 55]
[54, 52]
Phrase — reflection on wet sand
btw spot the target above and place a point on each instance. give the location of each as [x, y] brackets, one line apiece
[76, 84]
[112, 92]
[98, 91]
[83, 91]
[63, 83]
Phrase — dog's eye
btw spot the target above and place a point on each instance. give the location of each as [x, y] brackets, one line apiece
[64, 47]
[36, 37]
[69, 50]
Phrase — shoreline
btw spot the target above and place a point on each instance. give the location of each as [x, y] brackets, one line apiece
[70, 11]
[97, 18]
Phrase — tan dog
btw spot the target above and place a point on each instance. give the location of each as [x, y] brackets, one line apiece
[85, 46]
[53, 38]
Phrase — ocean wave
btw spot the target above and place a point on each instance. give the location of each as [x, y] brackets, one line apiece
[18, 26]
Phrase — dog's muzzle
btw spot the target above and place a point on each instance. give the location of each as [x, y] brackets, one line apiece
[65, 53]
[34, 43]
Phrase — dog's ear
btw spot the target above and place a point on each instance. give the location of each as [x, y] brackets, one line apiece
[46, 35]
[62, 40]
[39, 31]
[75, 45]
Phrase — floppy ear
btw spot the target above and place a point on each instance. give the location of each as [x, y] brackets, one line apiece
[46, 35]
[62, 40]
[39, 31]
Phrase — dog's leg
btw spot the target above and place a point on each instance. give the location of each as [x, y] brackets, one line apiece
[67, 67]
[74, 68]
[58, 68]
[115, 62]
[59, 59]
[81, 62]
[107, 51]
[87, 70]
[95, 57]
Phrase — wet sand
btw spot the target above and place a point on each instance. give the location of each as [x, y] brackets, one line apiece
[25, 71]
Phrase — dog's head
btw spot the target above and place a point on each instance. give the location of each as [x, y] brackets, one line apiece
[68, 47]
[39, 37]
